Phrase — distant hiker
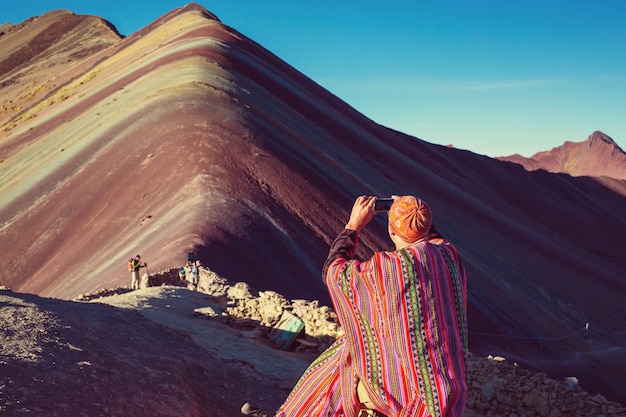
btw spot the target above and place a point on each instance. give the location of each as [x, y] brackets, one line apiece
[404, 317]
[182, 274]
[195, 274]
[133, 266]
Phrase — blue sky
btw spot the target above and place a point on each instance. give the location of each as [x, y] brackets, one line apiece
[493, 77]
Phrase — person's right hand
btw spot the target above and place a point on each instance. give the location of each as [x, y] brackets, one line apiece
[362, 213]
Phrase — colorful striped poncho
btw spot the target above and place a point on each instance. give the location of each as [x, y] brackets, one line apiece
[404, 317]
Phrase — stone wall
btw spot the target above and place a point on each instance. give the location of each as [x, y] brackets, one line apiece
[169, 277]
[498, 388]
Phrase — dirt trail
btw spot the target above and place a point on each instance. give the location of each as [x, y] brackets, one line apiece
[65, 358]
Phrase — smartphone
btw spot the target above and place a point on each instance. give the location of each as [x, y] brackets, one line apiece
[383, 204]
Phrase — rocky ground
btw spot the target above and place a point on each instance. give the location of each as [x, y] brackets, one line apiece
[169, 350]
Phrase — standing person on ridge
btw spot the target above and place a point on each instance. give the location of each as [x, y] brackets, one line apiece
[404, 316]
[195, 274]
[134, 265]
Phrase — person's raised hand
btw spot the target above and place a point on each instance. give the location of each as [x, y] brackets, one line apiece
[362, 213]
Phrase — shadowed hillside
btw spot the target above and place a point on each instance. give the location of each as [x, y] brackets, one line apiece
[186, 135]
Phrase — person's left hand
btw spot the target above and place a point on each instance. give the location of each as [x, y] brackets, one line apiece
[362, 213]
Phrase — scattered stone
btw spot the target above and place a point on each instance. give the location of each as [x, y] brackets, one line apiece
[207, 312]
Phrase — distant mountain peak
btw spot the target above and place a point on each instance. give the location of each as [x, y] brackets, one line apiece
[598, 136]
[199, 8]
[597, 156]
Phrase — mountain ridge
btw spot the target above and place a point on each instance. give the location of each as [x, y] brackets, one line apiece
[598, 155]
[186, 135]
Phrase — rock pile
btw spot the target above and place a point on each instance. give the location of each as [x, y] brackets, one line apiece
[264, 311]
[497, 388]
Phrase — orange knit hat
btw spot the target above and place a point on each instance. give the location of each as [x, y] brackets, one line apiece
[410, 218]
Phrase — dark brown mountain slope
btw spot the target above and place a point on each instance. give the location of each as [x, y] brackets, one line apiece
[189, 136]
[597, 156]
